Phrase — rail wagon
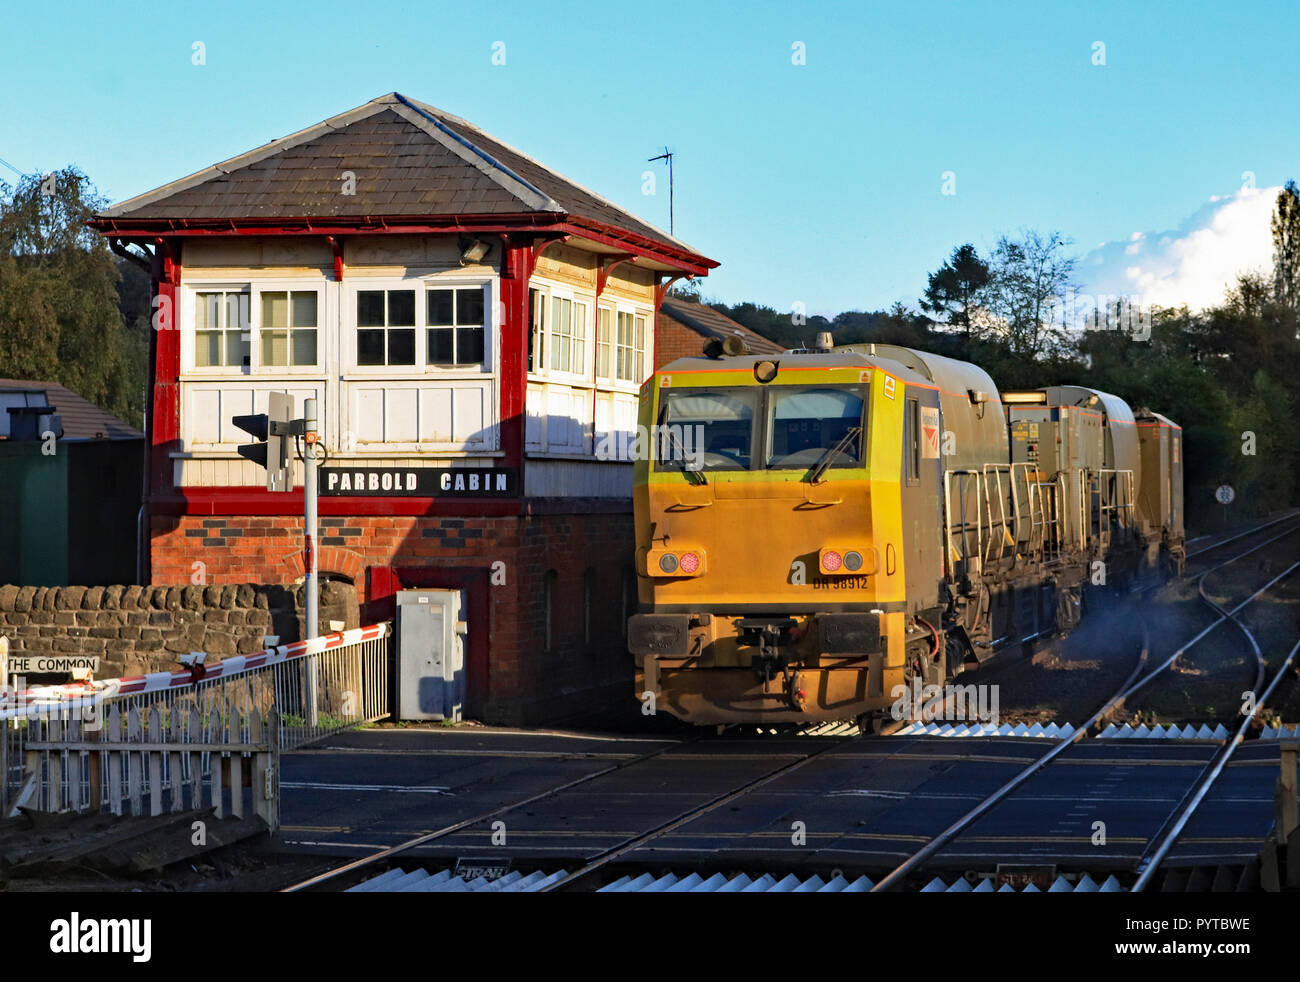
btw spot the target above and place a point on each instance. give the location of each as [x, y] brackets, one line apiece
[819, 528]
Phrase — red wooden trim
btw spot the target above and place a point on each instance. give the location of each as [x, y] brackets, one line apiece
[336, 244]
[607, 264]
[254, 501]
[164, 417]
[545, 244]
[578, 506]
[661, 289]
[518, 260]
[621, 239]
[592, 229]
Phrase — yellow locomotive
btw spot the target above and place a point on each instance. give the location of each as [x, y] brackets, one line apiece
[817, 528]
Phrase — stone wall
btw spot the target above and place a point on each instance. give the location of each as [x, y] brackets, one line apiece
[137, 629]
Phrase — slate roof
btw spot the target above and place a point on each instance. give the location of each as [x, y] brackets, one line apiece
[410, 160]
[710, 323]
[82, 420]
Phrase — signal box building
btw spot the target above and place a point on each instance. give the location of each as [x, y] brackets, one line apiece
[475, 329]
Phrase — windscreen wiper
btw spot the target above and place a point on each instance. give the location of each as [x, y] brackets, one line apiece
[695, 477]
[824, 461]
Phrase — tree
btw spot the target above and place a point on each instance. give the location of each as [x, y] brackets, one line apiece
[1028, 278]
[688, 289]
[955, 285]
[59, 304]
[1285, 226]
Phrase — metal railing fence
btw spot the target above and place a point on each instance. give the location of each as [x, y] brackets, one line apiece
[59, 744]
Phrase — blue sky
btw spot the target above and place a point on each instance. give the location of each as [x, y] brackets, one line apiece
[819, 183]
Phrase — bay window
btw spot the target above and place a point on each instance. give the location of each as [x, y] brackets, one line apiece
[537, 332]
[638, 350]
[625, 347]
[561, 339]
[567, 340]
[604, 371]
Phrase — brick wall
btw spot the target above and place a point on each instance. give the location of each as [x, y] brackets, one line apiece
[674, 340]
[138, 629]
[526, 681]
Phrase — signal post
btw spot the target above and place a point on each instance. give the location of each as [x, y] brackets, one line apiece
[274, 430]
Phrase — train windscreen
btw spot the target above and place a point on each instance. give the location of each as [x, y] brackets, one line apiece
[807, 425]
[711, 431]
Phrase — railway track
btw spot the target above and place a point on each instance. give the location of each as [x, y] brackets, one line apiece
[593, 863]
[1160, 844]
[1290, 516]
[388, 853]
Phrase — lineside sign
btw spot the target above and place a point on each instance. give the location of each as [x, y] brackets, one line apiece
[420, 482]
[49, 664]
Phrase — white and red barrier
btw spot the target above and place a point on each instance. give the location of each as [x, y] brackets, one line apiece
[50, 699]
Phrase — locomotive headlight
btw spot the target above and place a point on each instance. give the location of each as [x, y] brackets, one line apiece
[852, 561]
[668, 563]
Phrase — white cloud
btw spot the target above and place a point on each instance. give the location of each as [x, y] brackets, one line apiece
[1194, 264]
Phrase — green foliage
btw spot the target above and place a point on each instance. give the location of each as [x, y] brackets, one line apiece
[1028, 278]
[1285, 227]
[954, 289]
[59, 304]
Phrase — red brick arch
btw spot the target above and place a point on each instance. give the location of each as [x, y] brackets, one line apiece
[331, 559]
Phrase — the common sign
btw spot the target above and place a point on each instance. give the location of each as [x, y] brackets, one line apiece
[50, 664]
[421, 482]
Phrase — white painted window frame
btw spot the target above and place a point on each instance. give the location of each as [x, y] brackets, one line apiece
[620, 305]
[418, 279]
[256, 371]
[549, 290]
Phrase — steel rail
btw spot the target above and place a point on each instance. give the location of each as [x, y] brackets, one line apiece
[1140, 684]
[604, 858]
[1008, 644]
[427, 837]
[896, 876]
[1165, 837]
[1289, 516]
[633, 842]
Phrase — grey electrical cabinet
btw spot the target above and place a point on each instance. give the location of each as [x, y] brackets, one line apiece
[430, 654]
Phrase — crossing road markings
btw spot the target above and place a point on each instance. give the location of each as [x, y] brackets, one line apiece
[391, 788]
